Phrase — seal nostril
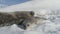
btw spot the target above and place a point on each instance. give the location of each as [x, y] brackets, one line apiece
[24, 26]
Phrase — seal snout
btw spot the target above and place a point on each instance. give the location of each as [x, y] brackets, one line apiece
[22, 26]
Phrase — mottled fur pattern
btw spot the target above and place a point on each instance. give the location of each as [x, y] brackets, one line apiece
[11, 18]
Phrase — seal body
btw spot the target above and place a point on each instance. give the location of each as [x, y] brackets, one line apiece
[7, 19]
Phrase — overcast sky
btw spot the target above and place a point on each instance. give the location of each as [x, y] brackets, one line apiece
[11, 2]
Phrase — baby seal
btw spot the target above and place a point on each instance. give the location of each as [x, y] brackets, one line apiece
[7, 19]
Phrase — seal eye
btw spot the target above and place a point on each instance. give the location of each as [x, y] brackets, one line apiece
[32, 13]
[27, 24]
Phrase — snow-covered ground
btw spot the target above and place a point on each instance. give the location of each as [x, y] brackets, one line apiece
[48, 9]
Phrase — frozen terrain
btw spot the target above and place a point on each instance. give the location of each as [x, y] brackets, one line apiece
[49, 9]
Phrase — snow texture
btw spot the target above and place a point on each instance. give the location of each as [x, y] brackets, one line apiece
[48, 9]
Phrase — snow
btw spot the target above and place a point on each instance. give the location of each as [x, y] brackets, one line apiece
[48, 9]
[35, 5]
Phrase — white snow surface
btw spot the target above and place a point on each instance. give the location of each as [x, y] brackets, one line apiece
[48, 9]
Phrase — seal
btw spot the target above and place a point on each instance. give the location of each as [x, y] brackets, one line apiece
[23, 19]
[7, 19]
